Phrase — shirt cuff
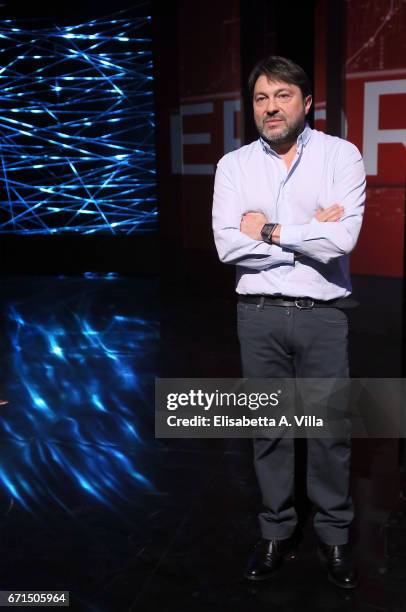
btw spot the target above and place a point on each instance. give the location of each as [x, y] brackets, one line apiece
[291, 236]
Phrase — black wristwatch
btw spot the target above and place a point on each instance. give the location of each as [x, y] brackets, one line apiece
[267, 231]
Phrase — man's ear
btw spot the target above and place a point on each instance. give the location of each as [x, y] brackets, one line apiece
[307, 103]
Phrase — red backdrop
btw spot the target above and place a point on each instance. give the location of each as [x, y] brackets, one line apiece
[206, 124]
[374, 119]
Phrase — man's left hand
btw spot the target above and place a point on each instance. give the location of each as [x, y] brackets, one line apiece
[252, 224]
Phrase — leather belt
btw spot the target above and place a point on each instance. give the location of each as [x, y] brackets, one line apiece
[303, 303]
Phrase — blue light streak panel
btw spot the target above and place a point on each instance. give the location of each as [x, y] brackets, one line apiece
[76, 408]
[77, 127]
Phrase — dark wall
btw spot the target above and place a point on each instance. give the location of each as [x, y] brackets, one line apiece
[275, 28]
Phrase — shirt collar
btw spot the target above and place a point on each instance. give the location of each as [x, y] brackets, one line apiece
[302, 139]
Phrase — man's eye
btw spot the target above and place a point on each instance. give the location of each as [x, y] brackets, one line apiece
[284, 96]
[260, 98]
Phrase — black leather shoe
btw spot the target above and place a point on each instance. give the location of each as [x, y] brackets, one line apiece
[268, 556]
[338, 561]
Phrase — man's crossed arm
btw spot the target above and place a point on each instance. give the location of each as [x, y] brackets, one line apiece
[331, 233]
[253, 222]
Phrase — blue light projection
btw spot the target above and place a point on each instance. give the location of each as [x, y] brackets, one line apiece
[77, 127]
[79, 390]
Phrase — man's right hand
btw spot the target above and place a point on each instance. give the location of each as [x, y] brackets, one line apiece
[332, 213]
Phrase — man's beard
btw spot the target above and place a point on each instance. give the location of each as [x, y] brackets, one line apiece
[286, 136]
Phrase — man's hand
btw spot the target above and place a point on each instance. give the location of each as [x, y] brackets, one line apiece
[332, 213]
[252, 224]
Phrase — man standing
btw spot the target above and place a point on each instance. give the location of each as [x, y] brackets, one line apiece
[287, 211]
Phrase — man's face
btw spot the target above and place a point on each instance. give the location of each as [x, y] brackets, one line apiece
[279, 110]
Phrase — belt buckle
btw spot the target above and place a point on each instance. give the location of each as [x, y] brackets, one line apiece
[308, 307]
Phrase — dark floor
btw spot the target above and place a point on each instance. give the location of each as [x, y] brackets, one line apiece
[94, 504]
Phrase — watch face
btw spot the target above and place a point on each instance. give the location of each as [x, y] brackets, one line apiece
[266, 230]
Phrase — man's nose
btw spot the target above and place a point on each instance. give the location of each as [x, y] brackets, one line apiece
[272, 106]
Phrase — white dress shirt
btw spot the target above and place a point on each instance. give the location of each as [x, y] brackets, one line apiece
[326, 170]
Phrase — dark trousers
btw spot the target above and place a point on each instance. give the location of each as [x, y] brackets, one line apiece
[286, 342]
